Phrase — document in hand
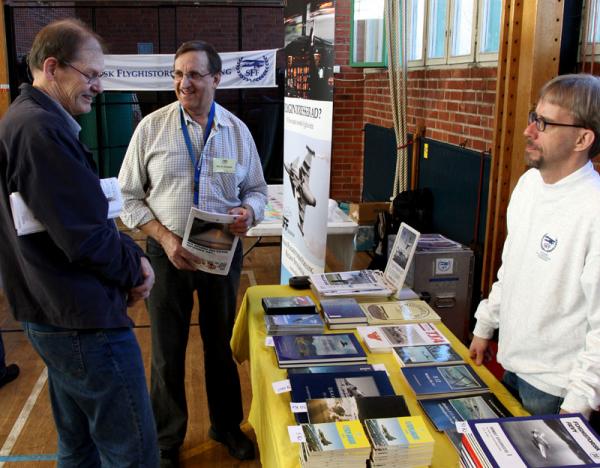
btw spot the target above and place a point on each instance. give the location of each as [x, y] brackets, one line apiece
[207, 236]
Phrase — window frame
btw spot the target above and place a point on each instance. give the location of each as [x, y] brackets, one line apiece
[465, 58]
[589, 50]
[382, 38]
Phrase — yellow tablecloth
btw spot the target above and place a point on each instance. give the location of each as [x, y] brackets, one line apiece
[270, 413]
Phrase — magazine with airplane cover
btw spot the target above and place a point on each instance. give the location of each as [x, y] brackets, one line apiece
[316, 349]
[382, 338]
[321, 410]
[444, 413]
[338, 436]
[425, 355]
[441, 381]
[382, 313]
[557, 440]
[401, 255]
[207, 236]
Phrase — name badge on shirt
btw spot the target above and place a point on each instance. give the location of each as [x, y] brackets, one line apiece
[224, 165]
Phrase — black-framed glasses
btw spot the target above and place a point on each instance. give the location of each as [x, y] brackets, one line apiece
[541, 123]
[178, 75]
[90, 78]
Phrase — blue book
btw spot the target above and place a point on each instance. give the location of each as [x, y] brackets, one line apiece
[328, 369]
[557, 440]
[338, 384]
[304, 350]
[342, 310]
[439, 381]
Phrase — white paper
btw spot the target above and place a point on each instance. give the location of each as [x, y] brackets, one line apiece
[380, 367]
[296, 434]
[208, 238]
[112, 190]
[269, 341]
[298, 407]
[401, 255]
[282, 386]
[462, 427]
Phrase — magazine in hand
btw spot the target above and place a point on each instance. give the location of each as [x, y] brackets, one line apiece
[207, 236]
[372, 283]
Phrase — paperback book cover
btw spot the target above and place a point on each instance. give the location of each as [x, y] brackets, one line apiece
[343, 309]
[439, 381]
[410, 356]
[445, 412]
[401, 312]
[322, 410]
[294, 324]
[289, 305]
[345, 435]
[385, 337]
[406, 431]
[316, 349]
[558, 440]
[329, 369]
[339, 384]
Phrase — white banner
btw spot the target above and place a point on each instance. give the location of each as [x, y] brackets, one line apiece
[152, 72]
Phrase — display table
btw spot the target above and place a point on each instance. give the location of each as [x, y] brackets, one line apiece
[340, 228]
[270, 413]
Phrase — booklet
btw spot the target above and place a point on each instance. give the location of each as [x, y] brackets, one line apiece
[207, 236]
[26, 223]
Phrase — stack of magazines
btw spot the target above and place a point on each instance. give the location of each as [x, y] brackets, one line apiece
[295, 324]
[549, 441]
[399, 442]
[339, 444]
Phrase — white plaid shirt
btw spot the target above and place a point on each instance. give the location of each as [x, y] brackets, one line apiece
[157, 175]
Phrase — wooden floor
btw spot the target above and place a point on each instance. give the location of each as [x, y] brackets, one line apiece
[27, 431]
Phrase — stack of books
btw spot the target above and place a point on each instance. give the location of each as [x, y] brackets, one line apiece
[556, 440]
[399, 442]
[300, 324]
[287, 305]
[399, 312]
[382, 339]
[343, 312]
[319, 349]
[340, 444]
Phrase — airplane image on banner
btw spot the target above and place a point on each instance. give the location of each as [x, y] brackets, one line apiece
[299, 177]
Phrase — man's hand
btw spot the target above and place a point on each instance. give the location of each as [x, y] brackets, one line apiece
[245, 218]
[143, 290]
[182, 259]
[479, 350]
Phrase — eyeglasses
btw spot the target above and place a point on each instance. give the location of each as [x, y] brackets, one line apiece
[178, 75]
[90, 78]
[541, 123]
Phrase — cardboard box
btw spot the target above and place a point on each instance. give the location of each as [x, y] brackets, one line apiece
[366, 213]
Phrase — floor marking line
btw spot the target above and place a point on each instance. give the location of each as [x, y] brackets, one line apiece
[11, 440]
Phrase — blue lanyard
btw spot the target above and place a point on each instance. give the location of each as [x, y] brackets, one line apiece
[188, 142]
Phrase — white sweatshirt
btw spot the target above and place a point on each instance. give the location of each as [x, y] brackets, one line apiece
[546, 301]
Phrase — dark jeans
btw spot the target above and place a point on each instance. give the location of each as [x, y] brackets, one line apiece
[533, 400]
[99, 396]
[170, 306]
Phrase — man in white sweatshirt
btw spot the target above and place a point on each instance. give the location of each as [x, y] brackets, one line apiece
[546, 301]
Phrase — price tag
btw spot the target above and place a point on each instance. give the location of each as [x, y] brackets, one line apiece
[299, 407]
[282, 386]
[462, 427]
[296, 434]
[380, 367]
[269, 341]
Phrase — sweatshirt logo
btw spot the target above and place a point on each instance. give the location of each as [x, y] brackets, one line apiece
[548, 244]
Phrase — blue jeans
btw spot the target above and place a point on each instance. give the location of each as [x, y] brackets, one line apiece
[99, 396]
[533, 400]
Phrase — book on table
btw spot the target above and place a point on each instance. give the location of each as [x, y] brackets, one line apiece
[287, 305]
[426, 355]
[399, 442]
[371, 283]
[335, 444]
[305, 350]
[321, 410]
[442, 381]
[557, 440]
[398, 312]
[444, 413]
[382, 338]
[342, 312]
[296, 324]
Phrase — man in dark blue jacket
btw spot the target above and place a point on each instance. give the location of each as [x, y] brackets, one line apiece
[70, 284]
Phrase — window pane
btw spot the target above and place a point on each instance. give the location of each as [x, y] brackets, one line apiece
[368, 31]
[416, 22]
[490, 26]
[594, 23]
[462, 27]
[436, 41]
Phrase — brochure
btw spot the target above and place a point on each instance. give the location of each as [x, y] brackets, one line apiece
[208, 238]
